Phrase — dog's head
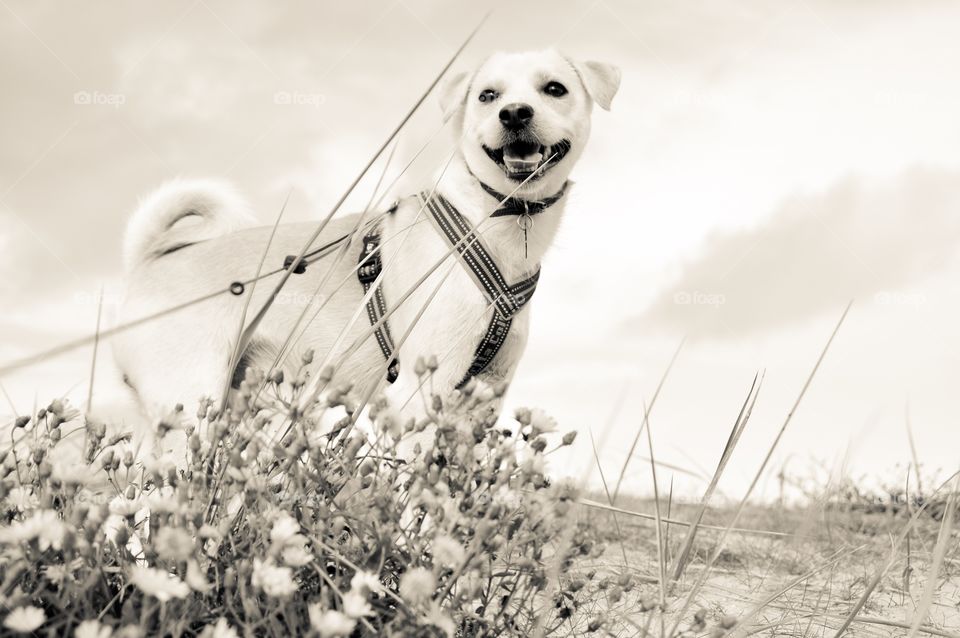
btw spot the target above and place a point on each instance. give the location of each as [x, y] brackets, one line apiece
[523, 114]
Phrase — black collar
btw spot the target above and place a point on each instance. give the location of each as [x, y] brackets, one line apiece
[517, 206]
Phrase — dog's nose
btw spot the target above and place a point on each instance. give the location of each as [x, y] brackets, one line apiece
[516, 116]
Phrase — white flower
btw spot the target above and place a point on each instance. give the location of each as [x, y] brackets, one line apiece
[533, 464]
[365, 581]
[284, 529]
[295, 553]
[390, 422]
[162, 499]
[173, 543]
[330, 623]
[196, 578]
[73, 473]
[22, 498]
[355, 604]
[447, 551]
[438, 619]
[273, 580]
[221, 630]
[158, 583]
[161, 464]
[541, 422]
[45, 526]
[57, 574]
[92, 629]
[24, 620]
[506, 497]
[417, 585]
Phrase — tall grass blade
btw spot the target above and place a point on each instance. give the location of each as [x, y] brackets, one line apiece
[939, 552]
[246, 332]
[691, 596]
[738, 426]
[606, 489]
[643, 422]
[96, 347]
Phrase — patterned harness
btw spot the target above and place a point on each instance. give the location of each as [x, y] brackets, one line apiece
[507, 300]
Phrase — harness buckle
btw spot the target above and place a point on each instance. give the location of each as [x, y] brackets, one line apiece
[370, 264]
[370, 270]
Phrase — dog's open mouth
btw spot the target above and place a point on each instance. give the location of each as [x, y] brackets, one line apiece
[522, 158]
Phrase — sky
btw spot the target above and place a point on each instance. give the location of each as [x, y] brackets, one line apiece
[763, 165]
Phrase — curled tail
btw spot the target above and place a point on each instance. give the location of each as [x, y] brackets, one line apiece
[180, 213]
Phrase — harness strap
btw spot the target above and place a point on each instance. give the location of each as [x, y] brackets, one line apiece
[507, 300]
[371, 266]
[475, 257]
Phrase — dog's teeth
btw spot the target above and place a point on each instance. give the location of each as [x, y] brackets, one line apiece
[523, 164]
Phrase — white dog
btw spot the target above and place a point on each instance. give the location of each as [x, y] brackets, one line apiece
[522, 120]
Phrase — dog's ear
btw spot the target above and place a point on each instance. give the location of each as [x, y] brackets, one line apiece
[453, 92]
[601, 81]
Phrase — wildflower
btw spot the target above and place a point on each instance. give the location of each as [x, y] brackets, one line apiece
[73, 473]
[173, 543]
[533, 465]
[284, 529]
[57, 574]
[25, 620]
[158, 583]
[447, 551]
[541, 422]
[366, 582]
[220, 630]
[22, 498]
[330, 623]
[569, 437]
[123, 506]
[196, 578]
[355, 604]
[45, 526]
[273, 580]
[161, 500]
[438, 619]
[417, 585]
[295, 553]
[92, 629]
[390, 422]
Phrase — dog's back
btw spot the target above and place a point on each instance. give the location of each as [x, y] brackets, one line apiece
[184, 247]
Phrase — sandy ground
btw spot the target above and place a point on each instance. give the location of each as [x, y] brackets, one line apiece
[845, 549]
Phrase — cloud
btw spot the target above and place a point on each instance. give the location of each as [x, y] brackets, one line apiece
[814, 253]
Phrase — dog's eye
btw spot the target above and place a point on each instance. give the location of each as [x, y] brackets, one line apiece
[555, 89]
[488, 95]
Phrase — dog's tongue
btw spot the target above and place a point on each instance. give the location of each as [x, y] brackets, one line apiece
[517, 163]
